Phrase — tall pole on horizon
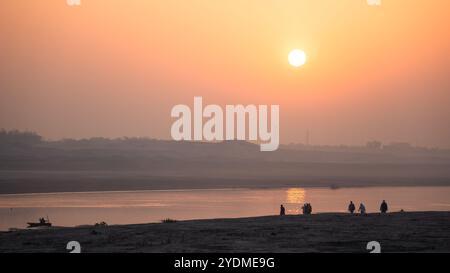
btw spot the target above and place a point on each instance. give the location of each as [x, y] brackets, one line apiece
[307, 137]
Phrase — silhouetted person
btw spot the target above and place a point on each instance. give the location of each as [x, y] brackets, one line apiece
[42, 220]
[282, 210]
[307, 209]
[351, 207]
[383, 207]
[362, 209]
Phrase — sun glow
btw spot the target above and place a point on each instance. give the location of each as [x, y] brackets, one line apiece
[297, 57]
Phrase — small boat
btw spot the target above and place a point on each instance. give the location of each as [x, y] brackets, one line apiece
[42, 223]
[334, 187]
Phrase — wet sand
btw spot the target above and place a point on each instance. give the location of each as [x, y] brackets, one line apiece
[327, 232]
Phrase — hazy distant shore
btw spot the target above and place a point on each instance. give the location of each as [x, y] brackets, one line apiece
[328, 232]
[29, 164]
[14, 182]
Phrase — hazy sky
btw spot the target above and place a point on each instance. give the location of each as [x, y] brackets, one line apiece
[117, 67]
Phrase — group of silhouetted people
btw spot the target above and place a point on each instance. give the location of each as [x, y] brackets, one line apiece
[362, 208]
[307, 208]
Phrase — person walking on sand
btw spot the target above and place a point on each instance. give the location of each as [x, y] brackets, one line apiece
[351, 207]
[282, 210]
[362, 209]
[383, 207]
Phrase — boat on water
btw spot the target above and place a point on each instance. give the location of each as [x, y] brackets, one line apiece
[42, 223]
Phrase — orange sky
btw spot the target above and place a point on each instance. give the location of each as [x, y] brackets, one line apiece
[114, 68]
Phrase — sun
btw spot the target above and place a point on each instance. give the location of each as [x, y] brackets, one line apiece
[297, 57]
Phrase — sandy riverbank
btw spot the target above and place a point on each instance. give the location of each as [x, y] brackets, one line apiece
[330, 232]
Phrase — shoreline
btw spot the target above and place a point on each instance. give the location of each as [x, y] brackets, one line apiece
[323, 232]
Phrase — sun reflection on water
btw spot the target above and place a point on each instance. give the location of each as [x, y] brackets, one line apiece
[295, 195]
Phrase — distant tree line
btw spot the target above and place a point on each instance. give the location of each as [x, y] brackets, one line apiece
[19, 137]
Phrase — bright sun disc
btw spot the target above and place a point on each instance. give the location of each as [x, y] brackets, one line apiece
[297, 58]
